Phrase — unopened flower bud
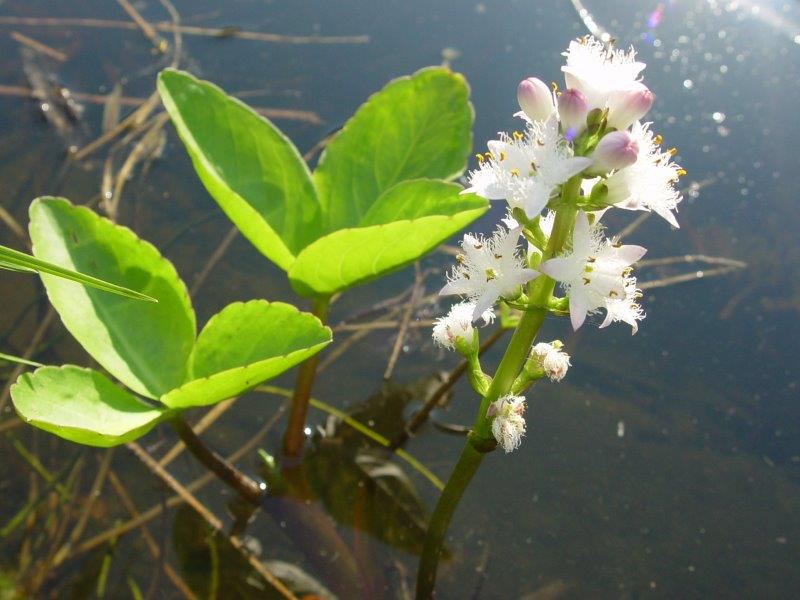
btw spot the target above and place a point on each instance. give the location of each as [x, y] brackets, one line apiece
[615, 151]
[572, 110]
[554, 361]
[455, 330]
[629, 105]
[508, 425]
[535, 99]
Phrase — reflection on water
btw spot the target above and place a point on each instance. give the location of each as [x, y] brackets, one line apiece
[667, 464]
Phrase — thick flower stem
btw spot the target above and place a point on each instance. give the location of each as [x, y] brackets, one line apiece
[294, 437]
[465, 468]
[480, 440]
[245, 486]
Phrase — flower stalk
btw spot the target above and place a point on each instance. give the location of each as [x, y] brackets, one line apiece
[583, 152]
[481, 441]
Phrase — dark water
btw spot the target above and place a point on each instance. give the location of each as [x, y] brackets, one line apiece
[667, 464]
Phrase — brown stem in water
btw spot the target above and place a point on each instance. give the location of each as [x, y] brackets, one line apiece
[294, 437]
[246, 487]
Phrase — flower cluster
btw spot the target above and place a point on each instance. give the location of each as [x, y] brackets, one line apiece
[580, 152]
[508, 425]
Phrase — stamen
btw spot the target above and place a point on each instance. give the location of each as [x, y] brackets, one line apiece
[480, 158]
[658, 139]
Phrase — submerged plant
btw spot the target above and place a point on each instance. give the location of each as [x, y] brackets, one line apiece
[378, 199]
[582, 151]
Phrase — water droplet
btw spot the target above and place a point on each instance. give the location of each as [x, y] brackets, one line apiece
[688, 84]
[718, 117]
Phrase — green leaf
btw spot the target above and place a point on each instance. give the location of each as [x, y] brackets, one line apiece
[415, 127]
[406, 222]
[82, 405]
[244, 345]
[19, 261]
[249, 167]
[144, 345]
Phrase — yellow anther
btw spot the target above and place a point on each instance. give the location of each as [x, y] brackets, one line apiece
[489, 155]
[502, 156]
[514, 172]
[517, 136]
[658, 139]
[681, 172]
[479, 157]
[672, 151]
[554, 86]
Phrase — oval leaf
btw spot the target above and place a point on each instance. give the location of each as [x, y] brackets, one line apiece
[406, 222]
[418, 126]
[145, 345]
[82, 405]
[244, 345]
[249, 167]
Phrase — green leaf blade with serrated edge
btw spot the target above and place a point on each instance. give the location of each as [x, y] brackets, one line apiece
[19, 261]
[406, 222]
[82, 406]
[143, 344]
[249, 167]
[415, 127]
[243, 345]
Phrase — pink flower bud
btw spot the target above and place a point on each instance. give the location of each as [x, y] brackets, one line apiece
[629, 105]
[616, 150]
[535, 99]
[572, 110]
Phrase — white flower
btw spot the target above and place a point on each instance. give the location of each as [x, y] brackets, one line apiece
[596, 274]
[458, 324]
[649, 183]
[554, 361]
[599, 72]
[488, 269]
[525, 169]
[508, 425]
[625, 309]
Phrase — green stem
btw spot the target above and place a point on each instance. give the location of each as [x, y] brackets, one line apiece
[465, 468]
[294, 437]
[480, 440]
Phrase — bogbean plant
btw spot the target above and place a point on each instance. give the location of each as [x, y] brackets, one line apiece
[378, 199]
[581, 152]
[152, 348]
